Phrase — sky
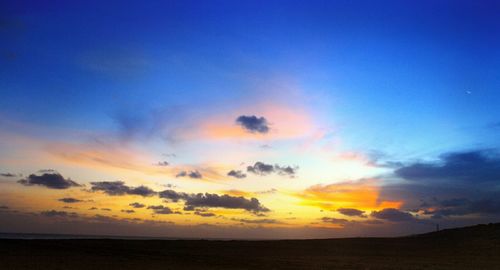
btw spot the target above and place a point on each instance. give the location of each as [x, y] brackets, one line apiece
[248, 119]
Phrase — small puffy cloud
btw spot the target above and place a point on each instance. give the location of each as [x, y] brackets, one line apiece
[351, 212]
[128, 211]
[204, 214]
[160, 209]
[237, 174]
[253, 123]
[69, 200]
[162, 163]
[192, 174]
[49, 180]
[286, 170]
[118, 188]
[137, 205]
[263, 169]
[393, 215]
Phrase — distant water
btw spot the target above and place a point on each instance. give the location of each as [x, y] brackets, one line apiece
[34, 236]
[29, 236]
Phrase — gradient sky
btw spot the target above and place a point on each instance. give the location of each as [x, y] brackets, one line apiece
[248, 119]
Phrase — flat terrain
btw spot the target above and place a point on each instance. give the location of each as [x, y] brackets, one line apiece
[476, 247]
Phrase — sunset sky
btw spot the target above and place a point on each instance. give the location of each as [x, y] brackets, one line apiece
[248, 119]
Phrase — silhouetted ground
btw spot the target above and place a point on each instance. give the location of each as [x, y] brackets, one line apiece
[476, 247]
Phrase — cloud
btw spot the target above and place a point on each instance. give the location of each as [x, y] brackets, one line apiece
[393, 215]
[192, 174]
[263, 169]
[462, 207]
[351, 212]
[471, 166]
[162, 163]
[214, 200]
[259, 221]
[341, 222]
[106, 209]
[128, 211]
[172, 195]
[287, 171]
[49, 180]
[137, 205]
[54, 213]
[204, 214]
[69, 200]
[253, 124]
[118, 188]
[338, 221]
[161, 210]
[8, 175]
[225, 201]
[237, 174]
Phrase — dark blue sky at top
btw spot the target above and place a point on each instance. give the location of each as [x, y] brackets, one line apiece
[412, 73]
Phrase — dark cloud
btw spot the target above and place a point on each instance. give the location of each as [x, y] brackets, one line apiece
[253, 123]
[472, 166]
[93, 208]
[191, 174]
[237, 174]
[54, 213]
[393, 215]
[195, 175]
[173, 195]
[462, 207]
[213, 200]
[106, 209]
[161, 210]
[162, 163]
[118, 188]
[224, 201]
[339, 221]
[137, 205]
[258, 221]
[287, 170]
[4, 207]
[69, 200]
[8, 175]
[181, 174]
[49, 180]
[128, 211]
[262, 169]
[351, 212]
[204, 214]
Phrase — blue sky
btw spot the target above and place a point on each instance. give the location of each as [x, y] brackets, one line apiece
[385, 81]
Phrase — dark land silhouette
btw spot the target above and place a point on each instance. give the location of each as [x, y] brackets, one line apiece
[476, 247]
